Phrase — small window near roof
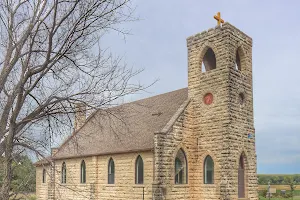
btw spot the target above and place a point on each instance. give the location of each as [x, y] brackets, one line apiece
[111, 171]
[139, 170]
[44, 175]
[63, 173]
[208, 170]
[82, 172]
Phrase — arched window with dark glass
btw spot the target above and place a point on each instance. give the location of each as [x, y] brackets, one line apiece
[180, 168]
[44, 175]
[63, 173]
[208, 170]
[82, 172]
[139, 170]
[111, 171]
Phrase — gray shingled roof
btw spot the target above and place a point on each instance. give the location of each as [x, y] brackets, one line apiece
[125, 128]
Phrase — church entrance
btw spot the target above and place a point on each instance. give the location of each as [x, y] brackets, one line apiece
[241, 178]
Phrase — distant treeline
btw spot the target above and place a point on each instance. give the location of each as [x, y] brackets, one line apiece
[280, 179]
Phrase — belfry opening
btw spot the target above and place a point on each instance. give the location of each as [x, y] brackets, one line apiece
[209, 60]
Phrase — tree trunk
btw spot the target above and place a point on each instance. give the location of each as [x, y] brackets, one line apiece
[8, 171]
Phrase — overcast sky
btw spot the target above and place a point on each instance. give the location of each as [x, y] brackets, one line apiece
[158, 45]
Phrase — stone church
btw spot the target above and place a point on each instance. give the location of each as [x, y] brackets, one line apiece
[194, 143]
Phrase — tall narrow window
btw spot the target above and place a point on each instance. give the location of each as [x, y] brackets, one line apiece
[44, 175]
[63, 173]
[111, 171]
[139, 170]
[208, 170]
[82, 172]
[241, 178]
[180, 168]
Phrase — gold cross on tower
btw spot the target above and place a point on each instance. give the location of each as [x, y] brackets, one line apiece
[218, 18]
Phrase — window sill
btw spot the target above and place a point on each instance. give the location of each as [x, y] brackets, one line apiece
[138, 186]
[209, 185]
[181, 185]
[110, 185]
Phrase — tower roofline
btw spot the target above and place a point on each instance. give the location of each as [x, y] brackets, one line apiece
[225, 26]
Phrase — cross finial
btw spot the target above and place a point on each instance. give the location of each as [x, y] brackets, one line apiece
[218, 18]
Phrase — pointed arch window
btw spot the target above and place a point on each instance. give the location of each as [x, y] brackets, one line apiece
[44, 175]
[208, 170]
[237, 61]
[209, 60]
[111, 171]
[241, 177]
[180, 168]
[82, 172]
[139, 170]
[63, 173]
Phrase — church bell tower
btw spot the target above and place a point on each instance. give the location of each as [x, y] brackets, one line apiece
[220, 86]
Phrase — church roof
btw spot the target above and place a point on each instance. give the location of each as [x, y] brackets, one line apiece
[129, 127]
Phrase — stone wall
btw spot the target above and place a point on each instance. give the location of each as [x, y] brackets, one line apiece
[42, 188]
[220, 129]
[167, 143]
[223, 126]
[96, 186]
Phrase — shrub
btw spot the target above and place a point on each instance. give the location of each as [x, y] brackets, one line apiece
[32, 198]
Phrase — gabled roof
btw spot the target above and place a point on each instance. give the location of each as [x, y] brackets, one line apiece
[43, 162]
[129, 127]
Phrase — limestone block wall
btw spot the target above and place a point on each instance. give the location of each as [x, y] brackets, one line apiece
[167, 144]
[96, 186]
[42, 188]
[222, 127]
[241, 110]
[220, 130]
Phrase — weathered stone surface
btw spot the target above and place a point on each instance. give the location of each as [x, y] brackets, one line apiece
[96, 186]
[220, 130]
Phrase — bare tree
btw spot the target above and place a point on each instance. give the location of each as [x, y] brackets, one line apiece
[50, 60]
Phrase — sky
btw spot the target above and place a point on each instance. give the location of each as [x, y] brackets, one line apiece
[157, 44]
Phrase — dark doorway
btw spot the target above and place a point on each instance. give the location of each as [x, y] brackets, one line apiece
[241, 178]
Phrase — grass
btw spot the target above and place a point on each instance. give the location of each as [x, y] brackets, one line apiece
[26, 197]
[295, 198]
[278, 191]
[278, 187]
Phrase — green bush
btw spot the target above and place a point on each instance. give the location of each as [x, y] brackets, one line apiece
[262, 193]
[32, 198]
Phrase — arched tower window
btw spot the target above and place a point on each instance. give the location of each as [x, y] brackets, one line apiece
[82, 172]
[209, 60]
[180, 168]
[208, 170]
[111, 171]
[44, 175]
[237, 61]
[139, 170]
[63, 173]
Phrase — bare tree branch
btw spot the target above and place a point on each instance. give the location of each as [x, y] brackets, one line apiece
[50, 61]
